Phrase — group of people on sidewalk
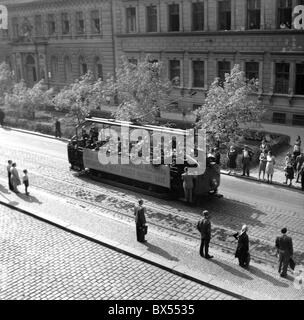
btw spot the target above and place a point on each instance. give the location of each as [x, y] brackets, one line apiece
[14, 179]
[283, 243]
[294, 163]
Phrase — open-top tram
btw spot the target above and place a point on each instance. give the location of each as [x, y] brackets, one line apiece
[146, 157]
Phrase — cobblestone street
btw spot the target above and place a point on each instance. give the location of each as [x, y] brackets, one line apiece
[39, 261]
[265, 210]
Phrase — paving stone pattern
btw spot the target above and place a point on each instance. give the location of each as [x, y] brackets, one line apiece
[39, 261]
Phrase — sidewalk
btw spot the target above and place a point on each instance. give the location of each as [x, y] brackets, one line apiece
[170, 252]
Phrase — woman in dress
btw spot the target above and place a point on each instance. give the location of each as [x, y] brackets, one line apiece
[15, 178]
[242, 250]
[270, 166]
[232, 155]
[262, 164]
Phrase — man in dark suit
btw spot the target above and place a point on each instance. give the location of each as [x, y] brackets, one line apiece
[140, 220]
[204, 226]
[285, 251]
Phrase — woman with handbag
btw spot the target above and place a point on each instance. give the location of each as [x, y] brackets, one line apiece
[242, 250]
[140, 221]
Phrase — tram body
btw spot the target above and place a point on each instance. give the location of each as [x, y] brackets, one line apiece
[84, 152]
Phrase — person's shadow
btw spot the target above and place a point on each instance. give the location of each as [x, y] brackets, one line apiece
[4, 191]
[257, 272]
[28, 198]
[159, 251]
[231, 270]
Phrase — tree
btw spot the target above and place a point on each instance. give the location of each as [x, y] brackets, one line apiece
[6, 80]
[79, 97]
[28, 100]
[140, 90]
[228, 107]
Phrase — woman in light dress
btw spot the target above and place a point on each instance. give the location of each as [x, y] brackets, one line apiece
[270, 166]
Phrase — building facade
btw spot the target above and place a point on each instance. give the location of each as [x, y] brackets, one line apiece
[60, 40]
[197, 40]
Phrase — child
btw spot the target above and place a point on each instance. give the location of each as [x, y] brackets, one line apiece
[25, 181]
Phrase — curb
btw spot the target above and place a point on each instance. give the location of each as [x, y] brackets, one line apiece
[35, 133]
[253, 179]
[170, 267]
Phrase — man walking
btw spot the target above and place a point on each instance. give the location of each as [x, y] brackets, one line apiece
[9, 166]
[285, 251]
[140, 220]
[299, 163]
[204, 227]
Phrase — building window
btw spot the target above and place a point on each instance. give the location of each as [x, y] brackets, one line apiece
[51, 24]
[83, 67]
[278, 117]
[281, 78]
[284, 14]
[223, 68]
[67, 65]
[15, 27]
[252, 70]
[131, 19]
[152, 19]
[174, 72]
[98, 68]
[198, 74]
[133, 61]
[224, 15]
[79, 22]
[38, 25]
[173, 17]
[299, 78]
[198, 16]
[95, 22]
[298, 120]
[54, 66]
[65, 23]
[253, 14]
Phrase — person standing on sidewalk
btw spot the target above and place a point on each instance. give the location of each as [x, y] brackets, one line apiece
[246, 159]
[25, 181]
[187, 185]
[262, 164]
[299, 163]
[242, 250]
[204, 227]
[15, 180]
[270, 166]
[9, 166]
[285, 251]
[2, 116]
[289, 173]
[57, 129]
[140, 220]
[232, 155]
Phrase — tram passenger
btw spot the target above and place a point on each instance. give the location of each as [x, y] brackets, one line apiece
[85, 137]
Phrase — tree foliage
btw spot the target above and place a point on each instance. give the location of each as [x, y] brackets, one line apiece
[6, 80]
[140, 89]
[80, 97]
[229, 106]
[29, 100]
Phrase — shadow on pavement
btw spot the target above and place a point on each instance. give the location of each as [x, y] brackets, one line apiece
[159, 251]
[29, 198]
[3, 189]
[232, 270]
[257, 272]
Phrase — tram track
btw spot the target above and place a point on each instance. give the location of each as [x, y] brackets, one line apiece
[188, 219]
